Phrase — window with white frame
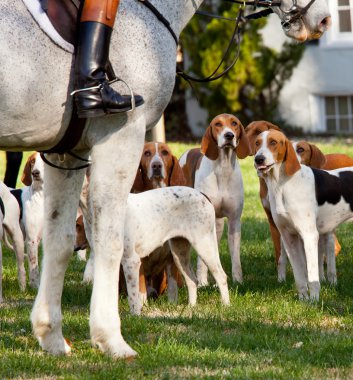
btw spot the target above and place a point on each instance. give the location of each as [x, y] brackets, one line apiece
[339, 114]
[341, 32]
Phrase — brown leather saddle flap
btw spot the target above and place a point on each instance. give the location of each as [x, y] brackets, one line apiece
[63, 14]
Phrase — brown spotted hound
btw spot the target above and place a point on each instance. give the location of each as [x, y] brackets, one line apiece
[158, 168]
[179, 216]
[214, 170]
[305, 202]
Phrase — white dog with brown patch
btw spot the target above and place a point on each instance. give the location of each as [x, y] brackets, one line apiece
[31, 202]
[11, 229]
[305, 203]
[181, 216]
[214, 170]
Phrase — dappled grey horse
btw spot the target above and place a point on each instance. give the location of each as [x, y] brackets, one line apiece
[35, 107]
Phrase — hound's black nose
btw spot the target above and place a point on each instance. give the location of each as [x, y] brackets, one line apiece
[35, 173]
[229, 136]
[260, 159]
[157, 168]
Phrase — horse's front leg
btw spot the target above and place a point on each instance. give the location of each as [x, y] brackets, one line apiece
[115, 163]
[61, 195]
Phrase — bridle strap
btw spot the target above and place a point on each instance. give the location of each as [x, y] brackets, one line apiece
[257, 3]
[295, 13]
[214, 76]
[234, 39]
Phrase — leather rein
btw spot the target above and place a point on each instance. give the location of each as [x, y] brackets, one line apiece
[293, 14]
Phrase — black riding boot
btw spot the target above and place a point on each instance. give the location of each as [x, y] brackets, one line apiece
[93, 96]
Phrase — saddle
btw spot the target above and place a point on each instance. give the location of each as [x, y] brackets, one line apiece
[63, 14]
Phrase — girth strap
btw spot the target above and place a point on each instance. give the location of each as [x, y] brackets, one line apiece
[2, 207]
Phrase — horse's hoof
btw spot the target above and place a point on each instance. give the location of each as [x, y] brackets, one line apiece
[54, 346]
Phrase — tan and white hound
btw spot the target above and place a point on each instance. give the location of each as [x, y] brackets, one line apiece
[31, 202]
[181, 217]
[310, 155]
[305, 202]
[177, 216]
[252, 131]
[11, 228]
[158, 168]
[214, 170]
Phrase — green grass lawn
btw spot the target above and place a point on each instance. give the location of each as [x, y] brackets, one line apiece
[266, 332]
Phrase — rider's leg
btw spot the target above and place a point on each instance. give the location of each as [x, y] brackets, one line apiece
[92, 57]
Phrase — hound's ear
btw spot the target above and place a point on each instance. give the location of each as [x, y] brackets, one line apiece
[177, 177]
[139, 185]
[26, 175]
[291, 163]
[209, 145]
[272, 126]
[318, 159]
[243, 148]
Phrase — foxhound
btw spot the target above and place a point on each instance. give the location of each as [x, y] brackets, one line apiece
[214, 170]
[304, 202]
[252, 131]
[2, 212]
[310, 155]
[158, 168]
[31, 202]
[12, 229]
[181, 217]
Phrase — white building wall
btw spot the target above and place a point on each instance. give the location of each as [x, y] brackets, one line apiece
[321, 72]
[325, 69]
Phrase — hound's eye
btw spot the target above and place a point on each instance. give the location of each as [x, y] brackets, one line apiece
[257, 143]
[165, 152]
[147, 153]
[273, 143]
[234, 123]
[218, 124]
[300, 150]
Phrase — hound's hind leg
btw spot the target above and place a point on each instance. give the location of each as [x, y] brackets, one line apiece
[131, 266]
[180, 249]
[234, 234]
[58, 243]
[207, 249]
[202, 270]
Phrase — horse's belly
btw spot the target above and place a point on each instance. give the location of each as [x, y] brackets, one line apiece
[34, 76]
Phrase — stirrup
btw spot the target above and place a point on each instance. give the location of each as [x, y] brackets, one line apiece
[101, 85]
